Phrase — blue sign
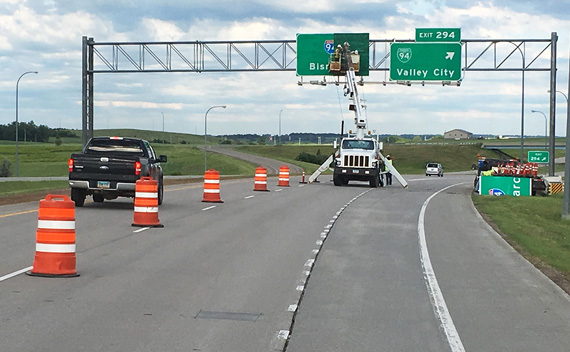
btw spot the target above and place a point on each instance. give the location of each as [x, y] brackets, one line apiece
[329, 46]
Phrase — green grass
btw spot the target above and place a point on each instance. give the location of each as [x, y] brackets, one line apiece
[23, 187]
[42, 159]
[534, 223]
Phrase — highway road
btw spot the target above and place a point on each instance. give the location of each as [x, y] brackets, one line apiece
[301, 268]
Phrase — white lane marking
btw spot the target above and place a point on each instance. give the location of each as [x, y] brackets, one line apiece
[208, 208]
[249, 197]
[15, 273]
[279, 190]
[436, 297]
[292, 308]
[283, 334]
[141, 230]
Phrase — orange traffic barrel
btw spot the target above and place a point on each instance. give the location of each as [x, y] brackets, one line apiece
[260, 180]
[283, 176]
[146, 203]
[55, 238]
[212, 187]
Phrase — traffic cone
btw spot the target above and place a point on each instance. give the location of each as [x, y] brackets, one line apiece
[260, 180]
[283, 176]
[212, 187]
[303, 178]
[55, 238]
[146, 203]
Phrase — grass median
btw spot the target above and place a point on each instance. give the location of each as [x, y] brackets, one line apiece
[534, 227]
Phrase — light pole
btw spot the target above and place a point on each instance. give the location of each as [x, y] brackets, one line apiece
[545, 128]
[162, 128]
[280, 126]
[206, 132]
[566, 195]
[522, 101]
[17, 83]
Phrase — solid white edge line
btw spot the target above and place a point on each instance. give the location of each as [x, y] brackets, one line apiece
[15, 273]
[436, 297]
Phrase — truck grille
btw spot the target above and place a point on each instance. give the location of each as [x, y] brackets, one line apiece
[356, 161]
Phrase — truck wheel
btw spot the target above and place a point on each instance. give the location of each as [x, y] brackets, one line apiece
[78, 196]
[98, 198]
[160, 192]
[374, 182]
[337, 180]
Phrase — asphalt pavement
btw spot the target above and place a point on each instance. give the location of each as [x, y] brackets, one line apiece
[300, 268]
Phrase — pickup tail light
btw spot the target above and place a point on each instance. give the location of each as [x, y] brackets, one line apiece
[137, 168]
[70, 163]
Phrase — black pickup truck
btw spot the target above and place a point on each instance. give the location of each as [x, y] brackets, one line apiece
[109, 167]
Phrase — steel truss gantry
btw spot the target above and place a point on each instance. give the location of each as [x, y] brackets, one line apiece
[281, 55]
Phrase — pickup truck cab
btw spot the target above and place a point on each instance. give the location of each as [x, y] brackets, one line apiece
[108, 167]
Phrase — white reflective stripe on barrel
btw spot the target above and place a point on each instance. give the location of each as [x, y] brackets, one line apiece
[146, 195]
[260, 182]
[211, 191]
[212, 181]
[55, 248]
[56, 224]
[146, 210]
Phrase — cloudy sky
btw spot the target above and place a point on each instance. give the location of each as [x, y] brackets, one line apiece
[46, 36]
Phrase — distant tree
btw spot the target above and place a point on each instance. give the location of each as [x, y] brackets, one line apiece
[261, 140]
[58, 141]
[5, 168]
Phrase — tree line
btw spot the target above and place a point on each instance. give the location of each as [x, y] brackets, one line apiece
[29, 131]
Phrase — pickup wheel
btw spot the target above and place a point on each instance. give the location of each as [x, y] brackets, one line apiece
[160, 191]
[78, 196]
[98, 198]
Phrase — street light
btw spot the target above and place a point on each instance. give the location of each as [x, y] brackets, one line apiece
[522, 101]
[17, 83]
[205, 133]
[162, 128]
[545, 128]
[280, 126]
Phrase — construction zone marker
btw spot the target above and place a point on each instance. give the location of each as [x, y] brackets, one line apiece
[55, 238]
[283, 176]
[212, 187]
[146, 203]
[260, 180]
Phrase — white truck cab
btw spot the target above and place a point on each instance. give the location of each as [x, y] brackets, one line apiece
[358, 159]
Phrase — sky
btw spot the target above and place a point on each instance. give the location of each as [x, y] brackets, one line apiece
[46, 36]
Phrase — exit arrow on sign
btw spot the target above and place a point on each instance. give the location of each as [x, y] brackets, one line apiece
[450, 55]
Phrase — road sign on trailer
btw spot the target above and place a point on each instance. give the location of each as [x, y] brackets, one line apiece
[439, 35]
[539, 157]
[425, 61]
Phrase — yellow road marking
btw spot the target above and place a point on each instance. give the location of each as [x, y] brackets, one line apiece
[18, 213]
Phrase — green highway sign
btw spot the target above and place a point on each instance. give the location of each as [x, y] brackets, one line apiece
[505, 185]
[439, 35]
[539, 157]
[425, 61]
[314, 50]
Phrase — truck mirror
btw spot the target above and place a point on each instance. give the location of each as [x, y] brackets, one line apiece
[162, 158]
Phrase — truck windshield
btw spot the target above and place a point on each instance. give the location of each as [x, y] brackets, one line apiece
[110, 145]
[358, 144]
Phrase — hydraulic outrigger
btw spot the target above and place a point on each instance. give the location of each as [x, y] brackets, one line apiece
[355, 159]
